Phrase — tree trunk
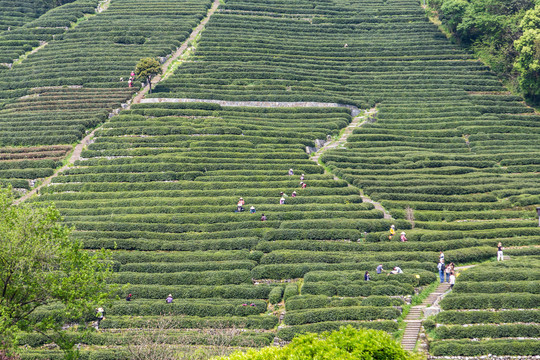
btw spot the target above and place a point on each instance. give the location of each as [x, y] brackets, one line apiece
[149, 85]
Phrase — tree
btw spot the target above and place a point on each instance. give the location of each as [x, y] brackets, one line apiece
[40, 265]
[147, 68]
[528, 47]
[347, 343]
[452, 12]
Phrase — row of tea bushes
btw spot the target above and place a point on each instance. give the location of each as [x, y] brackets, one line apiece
[504, 300]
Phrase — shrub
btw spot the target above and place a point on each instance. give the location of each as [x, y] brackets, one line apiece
[346, 313]
[486, 317]
[490, 301]
[275, 295]
[488, 331]
[494, 347]
[347, 343]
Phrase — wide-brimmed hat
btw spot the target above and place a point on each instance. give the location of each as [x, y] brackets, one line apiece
[403, 233]
[170, 295]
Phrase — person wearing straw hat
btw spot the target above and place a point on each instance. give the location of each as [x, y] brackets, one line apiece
[392, 231]
[169, 299]
[100, 315]
[403, 237]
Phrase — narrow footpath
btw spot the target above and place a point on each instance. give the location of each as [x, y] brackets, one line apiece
[416, 316]
[178, 52]
[358, 121]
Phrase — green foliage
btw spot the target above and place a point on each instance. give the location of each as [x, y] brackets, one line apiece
[452, 12]
[488, 331]
[347, 343]
[486, 317]
[491, 28]
[147, 68]
[528, 61]
[494, 347]
[275, 295]
[490, 301]
[289, 332]
[40, 265]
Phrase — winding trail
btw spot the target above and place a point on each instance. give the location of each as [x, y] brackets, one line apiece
[358, 121]
[178, 52]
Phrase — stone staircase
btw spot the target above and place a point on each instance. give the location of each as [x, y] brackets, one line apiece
[416, 315]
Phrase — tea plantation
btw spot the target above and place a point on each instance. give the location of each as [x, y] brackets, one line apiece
[72, 83]
[450, 155]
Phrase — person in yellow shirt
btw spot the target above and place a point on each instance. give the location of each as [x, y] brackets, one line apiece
[392, 232]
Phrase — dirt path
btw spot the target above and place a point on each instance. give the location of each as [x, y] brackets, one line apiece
[358, 121]
[269, 104]
[102, 6]
[178, 52]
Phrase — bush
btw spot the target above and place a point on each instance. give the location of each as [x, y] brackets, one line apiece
[347, 343]
[290, 291]
[193, 322]
[490, 301]
[532, 287]
[275, 295]
[487, 317]
[488, 331]
[477, 348]
[346, 313]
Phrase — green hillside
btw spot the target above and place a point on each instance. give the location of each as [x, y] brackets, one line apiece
[419, 134]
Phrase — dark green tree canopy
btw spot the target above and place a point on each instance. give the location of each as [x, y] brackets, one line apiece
[147, 68]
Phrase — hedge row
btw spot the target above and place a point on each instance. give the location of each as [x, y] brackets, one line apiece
[413, 277]
[389, 288]
[228, 291]
[320, 301]
[195, 266]
[340, 314]
[224, 277]
[184, 338]
[532, 287]
[490, 301]
[487, 317]
[488, 331]
[494, 347]
[192, 322]
[294, 271]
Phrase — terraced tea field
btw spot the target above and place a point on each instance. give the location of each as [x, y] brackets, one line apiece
[80, 72]
[448, 152]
